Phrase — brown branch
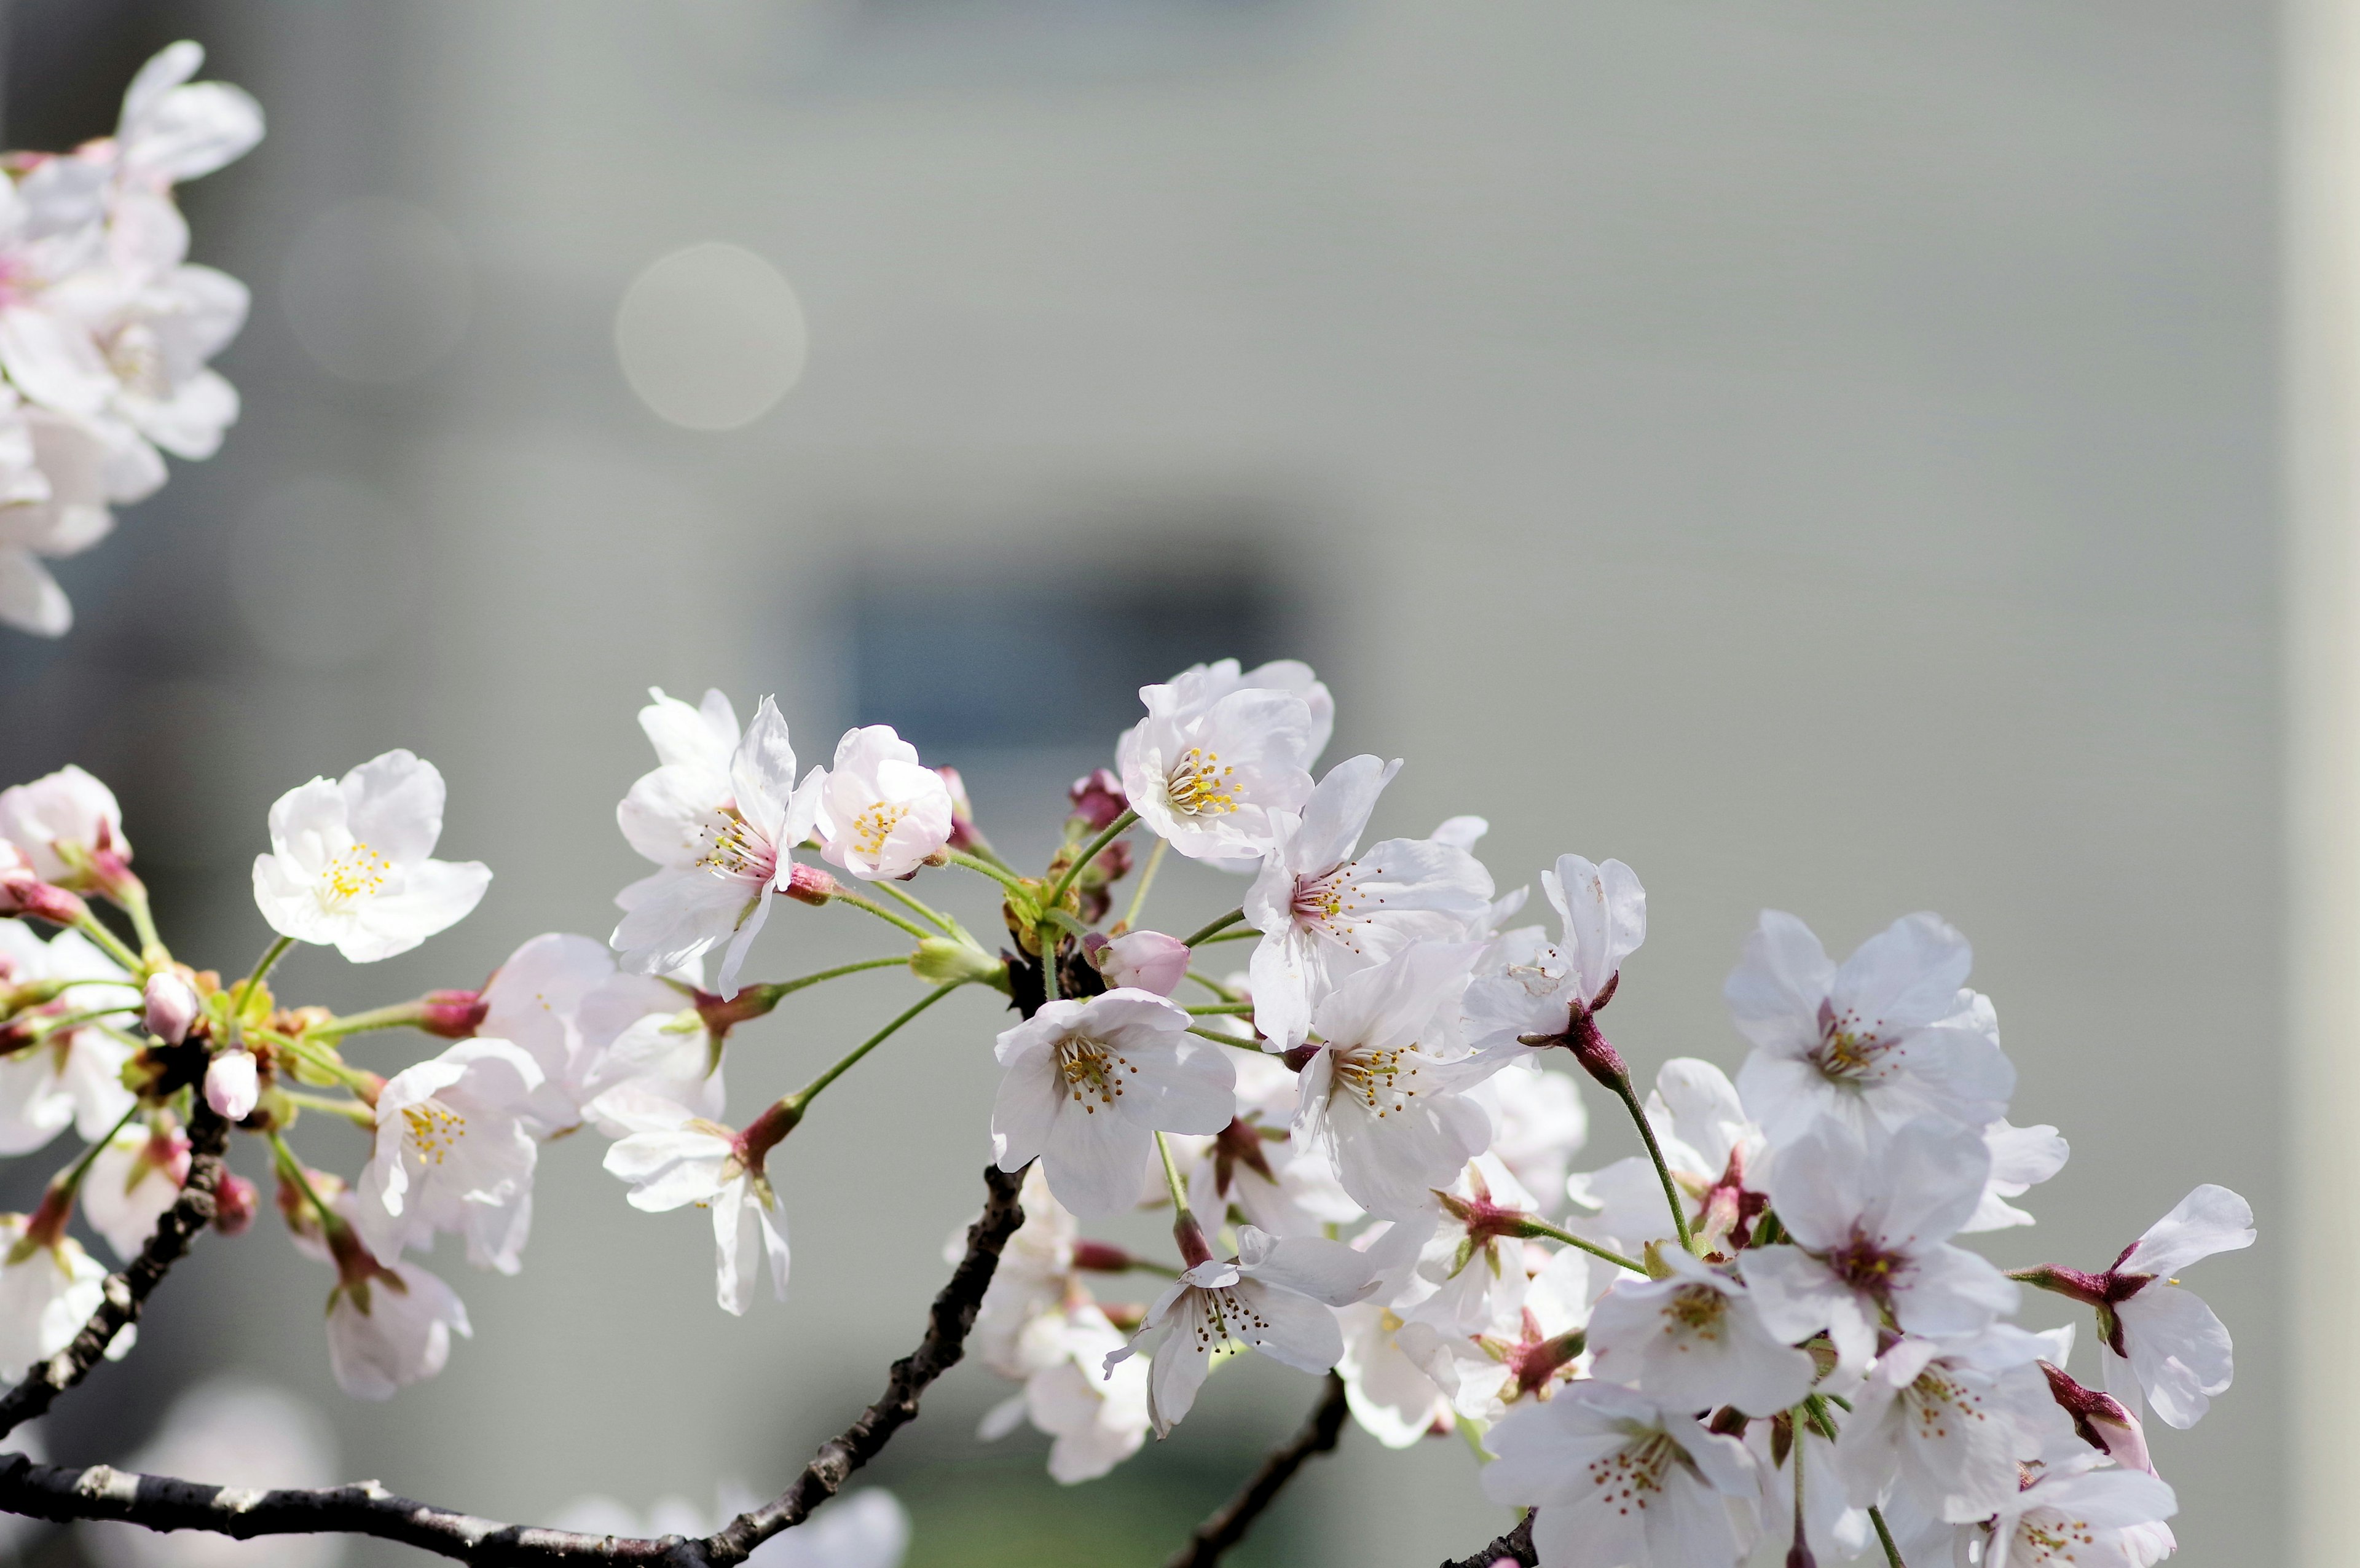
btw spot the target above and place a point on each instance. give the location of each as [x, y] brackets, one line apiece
[124, 1294]
[1228, 1523]
[1516, 1546]
[162, 1502]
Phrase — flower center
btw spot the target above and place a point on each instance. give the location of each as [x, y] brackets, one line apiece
[2047, 1536]
[136, 357]
[1694, 1311]
[739, 849]
[1331, 901]
[1938, 1399]
[1199, 786]
[1864, 1265]
[1374, 1077]
[1851, 1050]
[357, 872]
[1225, 1314]
[1093, 1070]
[1632, 1475]
[872, 827]
[435, 1129]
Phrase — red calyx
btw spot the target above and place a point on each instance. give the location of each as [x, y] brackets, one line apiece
[453, 1015]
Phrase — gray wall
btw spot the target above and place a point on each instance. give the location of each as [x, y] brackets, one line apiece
[1821, 453]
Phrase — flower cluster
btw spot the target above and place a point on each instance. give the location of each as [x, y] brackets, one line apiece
[105, 326]
[1761, 1327]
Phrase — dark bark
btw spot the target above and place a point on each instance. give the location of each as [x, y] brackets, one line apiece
[1228, 1523]
[1516, 1546]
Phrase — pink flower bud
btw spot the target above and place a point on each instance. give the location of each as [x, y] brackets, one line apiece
[1148, 959]
[1098, 798]
[810, 885]
[171, 1006]
[235, 1203]
[232, 1086]
[2101, 1420]
[24, 893]
[453, 1015]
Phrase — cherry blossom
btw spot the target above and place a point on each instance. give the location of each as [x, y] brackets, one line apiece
[1530, 988]
[1096, 1417]
[1714, 1152]
[168, 1006]
[1143, 961]
[562, 998]
[1533, 1346]
[1538, 1125]
[349, 862]
[73, 1075]
[717, 816]
[2022, 1158]
[2102, 1422]
[49, 1288]
[671, 1157]
[454, 1153]
[1695, 1339]
[881, 812]
[1324, 911]
[1255, 1168]
[1834, 1530]
[1949, 1420]
[1277, 1295]
[132, 1181]
[2077, 1514]
[1585, 1457]
[1378, 1096]
[1888, 1037]
[1472, 1257]
[1205, 773]
[232, 1085]
[1872, 1226]
[1388, 1392]
[63, 823]
[1088, 1085]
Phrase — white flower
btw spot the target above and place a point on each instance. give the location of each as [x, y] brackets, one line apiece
[232, 1085]
[58, 475]
[132, 1181]
[1277, 1295]
[391, 1329]
[172, 129]
[1532, 1346]
[1538, 1125]
[61, 820]
[1143, 961]
[349, 862]
[719, 815]
[1527, 986]
[2022, 1158]
[671, 1158]
[73, 1077]
[1586, 1457]
[49, 1288]
[1834, 1530]
[1255, 1167]
[1871, 1227]
[1324, 913]
[1389, 1109]
[881, 812]
[1471, 1259]
[1714, 1152]
[1949, 1420]
[1095, 1417]
[562, 1000]
[1201, 685]
[1889, 1037]
[1205, 773]
[1034, 1279]
[1388, 1392]
[1088, 1085]
[453, 1153]
[670, 1054]
[1695, 1340]
[232, 1433]
[2078, 1515]
[2163, 1341]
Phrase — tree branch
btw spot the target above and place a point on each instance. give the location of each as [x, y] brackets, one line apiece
[162, 1502]
[1230, 1522]
[124, 1294]
[1516, 1546]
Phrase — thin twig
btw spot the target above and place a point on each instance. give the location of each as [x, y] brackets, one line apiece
[162, 1502]
[1228, 1523]
[124, 1294]
[1516, 1546]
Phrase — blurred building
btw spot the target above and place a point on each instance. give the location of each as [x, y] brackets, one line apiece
[1824, 455]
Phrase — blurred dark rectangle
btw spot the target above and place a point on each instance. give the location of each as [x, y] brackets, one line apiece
[1007, 657]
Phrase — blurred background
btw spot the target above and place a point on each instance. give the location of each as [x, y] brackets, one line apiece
[1825, 454]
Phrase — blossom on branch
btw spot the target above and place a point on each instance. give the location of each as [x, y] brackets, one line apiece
[350, 862]
[454, 1153]
[881, 812]
[1207, 771]
[671, 1158]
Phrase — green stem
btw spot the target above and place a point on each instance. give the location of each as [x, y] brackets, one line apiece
[1114, 830]
[292, 1169]
[1249, 934]
[270, 958]
[71, 1180]
[325, 1058]
[1146, 881]
[983, 867]
[1215, 987]
[1212, 1007]
[351, 1110]
[1543, 1227]
[397, 1016]
[844, 895]
[1171, 1180]
[916, 906]
[90, 926]
[133, 900]
[1885, 1539]
[1226, 1040]
[1629, 1098]
[70, 1020]
[788, 987]
[1207, 934]
[801, 1098]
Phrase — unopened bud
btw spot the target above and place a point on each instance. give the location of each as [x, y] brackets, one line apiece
[810, 885]
[453, 1015]
[1100, 1258]
[939, 960]
[1190, 1237]
[2102, 1422]
[1098, 798]
[22, 893]
[235, 1203]
[232, 1086]
[171, 1006]
[1148, 959]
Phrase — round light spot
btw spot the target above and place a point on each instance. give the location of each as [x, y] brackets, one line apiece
[710, 337]
[377, 291]
[326, 571]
